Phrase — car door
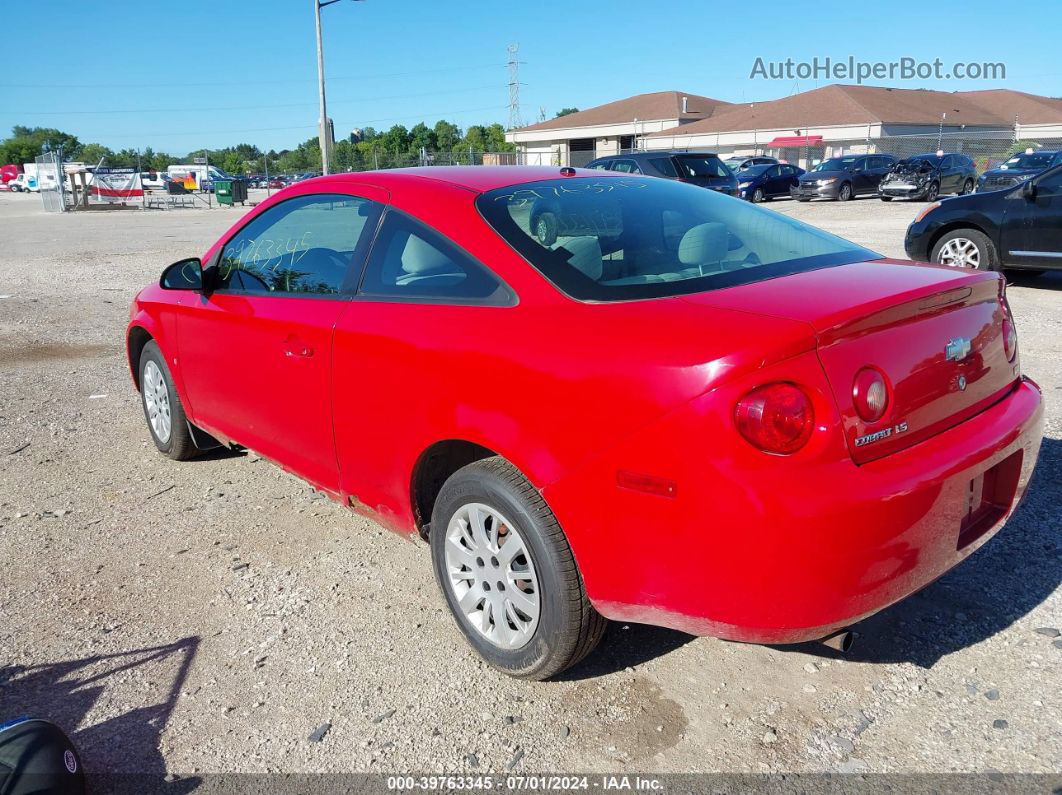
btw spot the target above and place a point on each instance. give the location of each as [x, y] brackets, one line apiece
[256, 347]
[862, 179]
[405, 347]
[949, 175]
[772, 181]
[1041, 235]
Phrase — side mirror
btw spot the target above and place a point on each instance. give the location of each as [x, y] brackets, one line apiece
[186, 274]
[1028, 189]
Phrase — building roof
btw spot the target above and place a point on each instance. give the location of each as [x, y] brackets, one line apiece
[836, 105]
[643, 107]
[1027, 108]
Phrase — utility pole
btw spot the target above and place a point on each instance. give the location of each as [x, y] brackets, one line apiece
[322, 133]
[514, 88]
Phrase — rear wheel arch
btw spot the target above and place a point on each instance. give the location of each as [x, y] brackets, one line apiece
[431, 470]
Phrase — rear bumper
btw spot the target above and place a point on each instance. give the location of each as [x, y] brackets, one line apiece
[784, 553]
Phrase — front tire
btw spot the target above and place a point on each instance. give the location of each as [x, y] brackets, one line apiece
[886, 198]
[163, 410]
[966, 248]
[932, 192]
[508, 574]
[757, 196]
[844, 193]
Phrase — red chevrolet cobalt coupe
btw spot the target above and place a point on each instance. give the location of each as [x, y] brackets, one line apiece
[601, 396]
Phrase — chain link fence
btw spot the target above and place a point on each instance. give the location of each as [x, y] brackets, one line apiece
[51, 180]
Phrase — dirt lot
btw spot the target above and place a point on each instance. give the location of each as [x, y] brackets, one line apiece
[213, 615]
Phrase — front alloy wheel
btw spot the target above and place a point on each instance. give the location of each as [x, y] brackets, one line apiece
[845, 193]
[965, 248]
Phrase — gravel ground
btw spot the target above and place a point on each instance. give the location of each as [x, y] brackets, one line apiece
[219, 616]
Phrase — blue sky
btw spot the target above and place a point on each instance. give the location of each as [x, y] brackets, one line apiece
[111, 71]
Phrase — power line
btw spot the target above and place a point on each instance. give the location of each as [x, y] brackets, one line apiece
[421, 116]
[22, 113]
[214, 83]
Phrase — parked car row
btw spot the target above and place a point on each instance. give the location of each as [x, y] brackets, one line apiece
[762, 178]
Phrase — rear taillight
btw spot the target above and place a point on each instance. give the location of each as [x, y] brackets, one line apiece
[1010, 331]
[870, 394]
[776, 418]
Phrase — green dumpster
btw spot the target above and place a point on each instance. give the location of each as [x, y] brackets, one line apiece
[230, 191]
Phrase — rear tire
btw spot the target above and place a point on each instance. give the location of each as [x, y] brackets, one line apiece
[967, 187]
[844, 193]
[163, 410]
[547, 622]
[965, 248]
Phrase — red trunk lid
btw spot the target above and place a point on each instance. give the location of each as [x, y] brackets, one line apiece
[935, 333]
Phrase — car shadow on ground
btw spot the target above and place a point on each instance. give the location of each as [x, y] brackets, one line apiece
[121, 753]
[993, 589]
[624, 646]
[1052, 280]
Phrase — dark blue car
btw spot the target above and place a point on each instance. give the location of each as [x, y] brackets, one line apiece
[1018, 168]
[765, 182]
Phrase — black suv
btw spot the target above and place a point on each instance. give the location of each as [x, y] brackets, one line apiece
[928, 176]
[738, 163]
[1019, 227]
[843, 177]
[1018, 168]
[700, 168]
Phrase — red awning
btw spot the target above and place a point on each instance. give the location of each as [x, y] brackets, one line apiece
[795, 140]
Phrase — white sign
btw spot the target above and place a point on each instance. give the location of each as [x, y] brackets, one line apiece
[117, 185]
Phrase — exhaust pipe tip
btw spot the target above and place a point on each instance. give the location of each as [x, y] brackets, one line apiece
[840, 641]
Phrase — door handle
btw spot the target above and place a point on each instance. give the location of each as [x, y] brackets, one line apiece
[294, 347]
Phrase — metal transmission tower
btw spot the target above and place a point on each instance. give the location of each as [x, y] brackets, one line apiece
[514, 88]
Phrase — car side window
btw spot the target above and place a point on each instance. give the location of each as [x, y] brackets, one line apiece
[947, 162]
[1051, 185]
[626, 166]
[301, 246]
[410, 261]
[772, 172]
[601, 165]
[664, 165]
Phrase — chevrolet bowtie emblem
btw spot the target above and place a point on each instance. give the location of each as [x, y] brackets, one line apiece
[957, 349]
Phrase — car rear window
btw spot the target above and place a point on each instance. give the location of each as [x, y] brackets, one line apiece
[628, 238]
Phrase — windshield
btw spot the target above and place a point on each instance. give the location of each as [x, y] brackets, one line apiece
[701, 166]
[627, 238]
[836, 164]
[754, 171]
[919, 161]
[1028, 161]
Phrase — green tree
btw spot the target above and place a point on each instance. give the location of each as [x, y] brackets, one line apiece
[565, 112]
[396, 140]
[91, 154]
[26, 143]
[423, 137]
[447, 135]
